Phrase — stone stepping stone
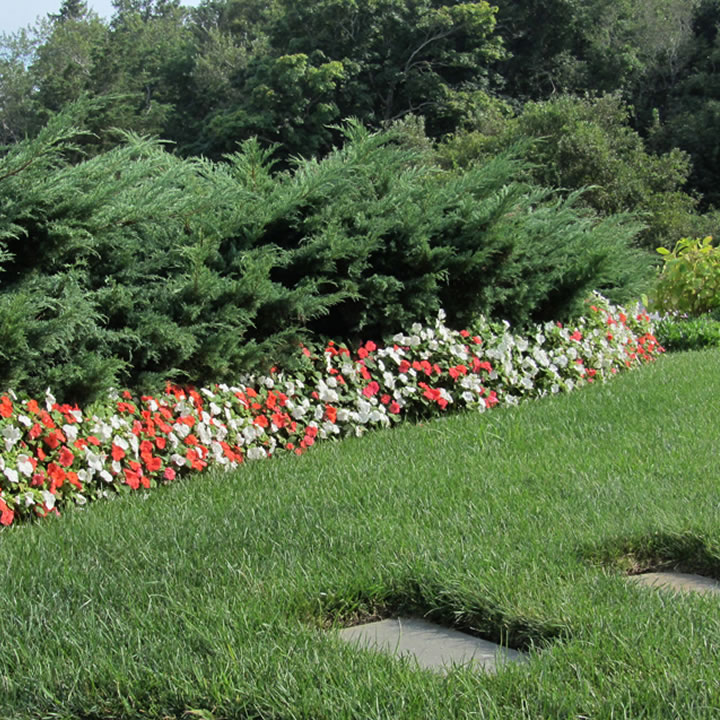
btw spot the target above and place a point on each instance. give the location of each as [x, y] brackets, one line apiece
[679, 582]
[433, 646]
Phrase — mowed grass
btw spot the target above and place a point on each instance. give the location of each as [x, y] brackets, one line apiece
[223, 594]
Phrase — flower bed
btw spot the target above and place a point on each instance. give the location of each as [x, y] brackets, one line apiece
[57, 454]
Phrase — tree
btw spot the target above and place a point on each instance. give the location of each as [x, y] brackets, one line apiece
[588, 144]
[401, 57]
[70, 10]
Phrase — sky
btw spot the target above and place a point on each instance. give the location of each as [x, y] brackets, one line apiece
[15, 14]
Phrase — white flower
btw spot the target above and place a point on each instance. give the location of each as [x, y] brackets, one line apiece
[11, 435]
[106, 476]
[256, 453]
[49, 400]
[48, 499]
[71, 432]
[121, 442]
[24, 465]
[11, 474]
[250, 433]
[29, 499]
[179, 460]
[24, 420]
[204, 433]
[94, 461]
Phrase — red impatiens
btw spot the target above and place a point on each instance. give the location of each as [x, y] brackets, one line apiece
[55, 454]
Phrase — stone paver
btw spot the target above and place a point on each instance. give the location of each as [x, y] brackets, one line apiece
[433, 646]
[680, 582]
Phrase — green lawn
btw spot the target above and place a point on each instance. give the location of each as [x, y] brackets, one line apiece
[221, 593]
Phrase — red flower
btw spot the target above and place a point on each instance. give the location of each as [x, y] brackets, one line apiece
[153, 464]
[73, 479]
[56, 474]
[146, 447]
[117, 453]
[66, 457]
[362, 353]
[331, 413]
[54, 439]
[370, 346]
[404, 366]
[6, 514]
[160, 443]
[465, 333]
[394, 408]
[35, 431]
[577, 335]
[385, 399]
[33, 407]
[169, 474]
[132, 478]
[261, 421]
[457, 371]
[191, 440]
[6, 408]
[46, 420]
[478, 365]
[371, 389]
[195, 460]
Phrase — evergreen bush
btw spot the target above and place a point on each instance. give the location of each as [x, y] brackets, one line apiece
[135, 267]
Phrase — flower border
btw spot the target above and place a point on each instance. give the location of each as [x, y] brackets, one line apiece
[55, 454]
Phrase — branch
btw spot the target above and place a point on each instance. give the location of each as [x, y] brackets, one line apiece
[18, 170]
[423, 45]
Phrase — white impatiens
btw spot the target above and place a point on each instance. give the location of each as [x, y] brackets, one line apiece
[59, 455]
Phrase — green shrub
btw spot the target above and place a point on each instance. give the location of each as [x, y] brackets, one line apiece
[135, 266]
[677, 333]
[690, 279]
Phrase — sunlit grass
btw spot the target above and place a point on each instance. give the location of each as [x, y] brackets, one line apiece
[221, 593]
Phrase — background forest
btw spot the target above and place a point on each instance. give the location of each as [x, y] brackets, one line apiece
[187, 193]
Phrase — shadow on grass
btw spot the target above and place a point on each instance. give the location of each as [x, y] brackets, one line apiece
[457, 610]
[688, 551]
